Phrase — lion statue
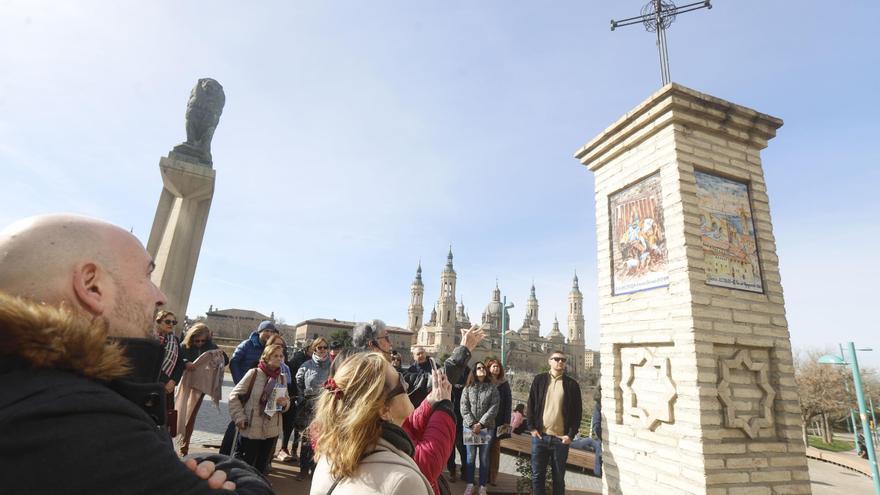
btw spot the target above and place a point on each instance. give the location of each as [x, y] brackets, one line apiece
[202, 116]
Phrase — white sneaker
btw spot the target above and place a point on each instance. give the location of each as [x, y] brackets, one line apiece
[483, 490]
[469, 489]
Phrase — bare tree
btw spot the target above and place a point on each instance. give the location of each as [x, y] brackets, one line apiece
[821, 391]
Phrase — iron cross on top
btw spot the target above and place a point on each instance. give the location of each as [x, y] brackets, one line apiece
[657, 16]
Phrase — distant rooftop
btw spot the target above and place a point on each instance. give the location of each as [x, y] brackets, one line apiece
[333, 322]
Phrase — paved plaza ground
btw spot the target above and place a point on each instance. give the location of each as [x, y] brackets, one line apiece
[827, 479]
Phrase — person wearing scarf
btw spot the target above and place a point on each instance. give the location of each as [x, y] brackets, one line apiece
[310, 378]
[289, 417]
[172, 365]
[259, 428]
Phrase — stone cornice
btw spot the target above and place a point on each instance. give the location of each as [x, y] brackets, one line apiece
[676, 104]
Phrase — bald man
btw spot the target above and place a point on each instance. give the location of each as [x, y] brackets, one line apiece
[82, 409]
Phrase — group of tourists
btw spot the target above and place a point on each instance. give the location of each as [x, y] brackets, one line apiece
[91, 361]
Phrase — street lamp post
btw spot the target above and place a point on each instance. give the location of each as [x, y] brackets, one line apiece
[863, 413]
[852, 414]
[504, 308]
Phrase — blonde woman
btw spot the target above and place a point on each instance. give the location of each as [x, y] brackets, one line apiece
[247, 406]
[361, 447]
[194, 383]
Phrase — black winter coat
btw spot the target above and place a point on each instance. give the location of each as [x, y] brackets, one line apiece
[74, 419]
[419, 381]
[572, 404]
[299, 357]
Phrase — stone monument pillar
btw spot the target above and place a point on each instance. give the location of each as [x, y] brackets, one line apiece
[188, 188]
[698, 391]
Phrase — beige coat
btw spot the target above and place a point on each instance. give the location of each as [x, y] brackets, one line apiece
[260, 426]
[387, 471]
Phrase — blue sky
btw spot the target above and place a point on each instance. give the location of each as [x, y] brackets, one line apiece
[361, 136]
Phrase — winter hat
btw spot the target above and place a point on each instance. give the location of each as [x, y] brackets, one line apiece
[266, 325]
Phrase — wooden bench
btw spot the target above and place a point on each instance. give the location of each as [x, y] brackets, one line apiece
[521, 445]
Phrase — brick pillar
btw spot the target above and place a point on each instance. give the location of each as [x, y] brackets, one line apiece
[698, 389]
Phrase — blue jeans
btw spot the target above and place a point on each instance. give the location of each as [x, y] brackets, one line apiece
[593, 445]
[548, 449]
[483, 451]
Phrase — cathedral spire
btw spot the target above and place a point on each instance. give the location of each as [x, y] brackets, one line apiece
[449, 259]
[576, 326]
[416, 311]
[532, 313]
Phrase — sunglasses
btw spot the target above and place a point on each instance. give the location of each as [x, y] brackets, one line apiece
[481, 368]
[558, 359]
[170, 322]
[321, 348]
[199, 341]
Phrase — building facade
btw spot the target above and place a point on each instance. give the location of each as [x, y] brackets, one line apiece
[239, 323]
[526, 349]
[401, 338]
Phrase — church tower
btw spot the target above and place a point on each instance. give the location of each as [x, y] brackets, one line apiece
[446, 305]
[416, 311]
[576, 315]
[555, 336]
[576, 339]
[532, 314]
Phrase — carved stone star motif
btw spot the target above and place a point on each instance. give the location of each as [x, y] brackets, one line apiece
[750, 426]
[660, 409]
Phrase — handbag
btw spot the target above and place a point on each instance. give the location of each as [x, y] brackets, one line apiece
[172, 422]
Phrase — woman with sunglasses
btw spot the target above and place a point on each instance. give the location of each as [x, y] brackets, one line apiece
[361, 446]
[172, 365]
[310, 378]
[479, 406]
[196, 342]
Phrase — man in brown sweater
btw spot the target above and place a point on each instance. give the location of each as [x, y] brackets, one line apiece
[554, 414]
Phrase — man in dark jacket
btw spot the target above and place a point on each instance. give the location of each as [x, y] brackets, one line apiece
[373, 336]
[247, 354]
[554, 414]
[459, 432]
[82, 410]
[421, 366]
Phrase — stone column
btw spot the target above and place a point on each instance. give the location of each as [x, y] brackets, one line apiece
[179, 226]
[698, 391]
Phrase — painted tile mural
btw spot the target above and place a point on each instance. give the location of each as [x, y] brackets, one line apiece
[638, 240]
[728, 233]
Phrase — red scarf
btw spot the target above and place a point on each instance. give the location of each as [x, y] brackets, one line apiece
[270, 384]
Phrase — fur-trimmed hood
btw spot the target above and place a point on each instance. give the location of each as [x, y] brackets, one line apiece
[43, 336]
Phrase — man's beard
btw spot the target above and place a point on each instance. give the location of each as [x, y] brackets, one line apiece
[131, 316]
